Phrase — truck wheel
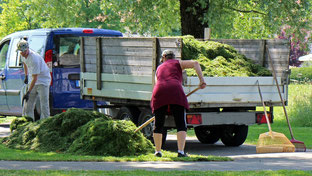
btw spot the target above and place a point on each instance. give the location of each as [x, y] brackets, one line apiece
[124, 113]
[128, 113]
[148, 130]
[207, 135]
[234, 135]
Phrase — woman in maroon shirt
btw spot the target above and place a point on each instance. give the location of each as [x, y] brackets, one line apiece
[168, 95]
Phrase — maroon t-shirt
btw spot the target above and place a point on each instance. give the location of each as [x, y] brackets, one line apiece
[168, 88]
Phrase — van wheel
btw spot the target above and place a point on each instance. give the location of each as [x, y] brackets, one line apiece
[207, 135]
[234, 135]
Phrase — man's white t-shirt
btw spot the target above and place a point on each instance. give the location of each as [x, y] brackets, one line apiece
[36, 65]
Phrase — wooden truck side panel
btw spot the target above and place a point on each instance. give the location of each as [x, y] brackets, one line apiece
[121, 71]
[118, 69]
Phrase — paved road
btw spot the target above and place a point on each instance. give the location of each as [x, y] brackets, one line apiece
[4, 130]
[245, 158]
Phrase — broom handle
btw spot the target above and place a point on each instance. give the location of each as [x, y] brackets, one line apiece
[280, 95]
[153, 118]
[265, 112]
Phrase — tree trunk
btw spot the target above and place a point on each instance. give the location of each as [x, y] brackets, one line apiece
[192, 21]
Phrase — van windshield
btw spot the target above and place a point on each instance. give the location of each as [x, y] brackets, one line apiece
[67, 51]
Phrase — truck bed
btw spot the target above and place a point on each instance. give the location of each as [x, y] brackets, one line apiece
[120, 70]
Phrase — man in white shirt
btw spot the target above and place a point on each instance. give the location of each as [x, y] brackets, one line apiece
[39, 77]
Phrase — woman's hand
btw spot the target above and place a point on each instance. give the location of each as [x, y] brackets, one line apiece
[202, 84]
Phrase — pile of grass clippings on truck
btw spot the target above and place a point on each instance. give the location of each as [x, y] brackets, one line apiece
[219, 60]
[79, 132]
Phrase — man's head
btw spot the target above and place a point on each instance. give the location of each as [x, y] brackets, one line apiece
[23, 46]
[167, 54]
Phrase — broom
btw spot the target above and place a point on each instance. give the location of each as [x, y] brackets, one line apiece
[299, 145]
[153, 118]
[272, 142]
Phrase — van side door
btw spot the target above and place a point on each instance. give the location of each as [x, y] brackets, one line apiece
[4, 47]
[14, 79]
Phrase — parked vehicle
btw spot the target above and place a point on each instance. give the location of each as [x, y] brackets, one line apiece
[122, 72]
[60, 49]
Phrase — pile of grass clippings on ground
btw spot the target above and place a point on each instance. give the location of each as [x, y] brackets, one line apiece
[78, 132]
[219, 60]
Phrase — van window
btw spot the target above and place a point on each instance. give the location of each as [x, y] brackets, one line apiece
[37, 44]
[14, 54]
[67, 50]
[3, 54]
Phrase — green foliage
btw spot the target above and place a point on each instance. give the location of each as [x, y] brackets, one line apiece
[248, 19]
[300, 105]
[257, 19]
[301, 74]
[79, 132]
[13, 16]
[31, 14]
[146, 17]
[217, 59]
[162, 19]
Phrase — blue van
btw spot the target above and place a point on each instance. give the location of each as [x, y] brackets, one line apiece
[60, 50]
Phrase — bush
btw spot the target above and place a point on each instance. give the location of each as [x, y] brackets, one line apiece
[80, 132]
[301, 74]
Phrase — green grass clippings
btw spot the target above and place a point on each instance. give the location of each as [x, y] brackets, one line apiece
[219, 60]
[81, 132]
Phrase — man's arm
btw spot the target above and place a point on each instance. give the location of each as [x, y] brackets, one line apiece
[33, 82]
[25, 69]
[26, 73]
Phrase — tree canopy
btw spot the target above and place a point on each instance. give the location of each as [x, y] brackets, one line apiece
[240, 19]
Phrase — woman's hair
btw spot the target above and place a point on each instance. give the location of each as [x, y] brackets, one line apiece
[170, 56]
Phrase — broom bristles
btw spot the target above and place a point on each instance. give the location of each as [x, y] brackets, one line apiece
[299, 145]
[273, 142]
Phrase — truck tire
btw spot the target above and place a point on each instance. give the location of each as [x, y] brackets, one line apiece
[234, 135]
[128, 113]
[207, 135]
[148, 130]
[124, 113]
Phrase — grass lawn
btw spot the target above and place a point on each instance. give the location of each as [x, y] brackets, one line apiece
[27, 155]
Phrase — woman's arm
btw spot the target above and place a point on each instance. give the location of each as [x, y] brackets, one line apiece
[195, 65]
